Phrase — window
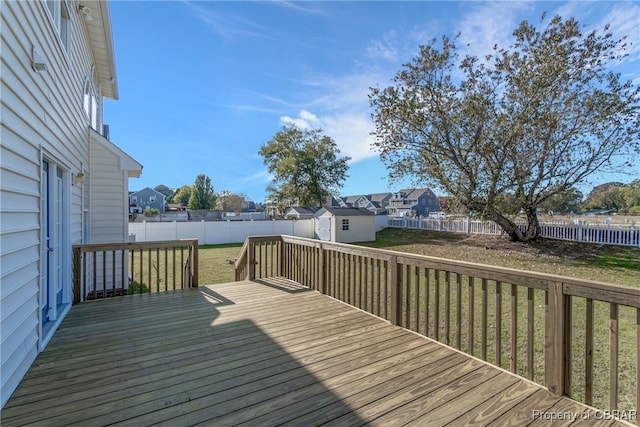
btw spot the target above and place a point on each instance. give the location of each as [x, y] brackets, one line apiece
[152, 199]
[61, 16]
[345, 224]
[90, 100]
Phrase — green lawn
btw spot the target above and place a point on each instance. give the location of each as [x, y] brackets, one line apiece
[618, 265]
[213, 263]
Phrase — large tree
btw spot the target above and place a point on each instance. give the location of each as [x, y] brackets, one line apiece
[608, 196]
[182, 195]
[231, 202]
[202, 195]
[166, 191]
[531, 120]
[306, 166]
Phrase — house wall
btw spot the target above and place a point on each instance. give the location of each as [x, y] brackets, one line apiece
[41, 116]
[111, 184]
[143, 199]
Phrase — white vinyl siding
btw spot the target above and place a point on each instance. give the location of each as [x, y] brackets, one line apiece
[108, 210]
[42, 116]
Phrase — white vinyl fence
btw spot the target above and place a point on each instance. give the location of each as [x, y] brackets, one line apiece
[218, 232]
[607, 234]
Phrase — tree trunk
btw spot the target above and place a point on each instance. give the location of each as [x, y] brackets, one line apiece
[515, 233]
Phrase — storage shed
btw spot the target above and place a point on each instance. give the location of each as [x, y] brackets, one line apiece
[344, 225]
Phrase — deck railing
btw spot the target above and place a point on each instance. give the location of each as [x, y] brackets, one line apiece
[104, 270]
[579, 338]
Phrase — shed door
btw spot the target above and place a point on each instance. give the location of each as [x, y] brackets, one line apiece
[324, 228]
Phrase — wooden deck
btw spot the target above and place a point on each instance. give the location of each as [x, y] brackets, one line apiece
[264, 354]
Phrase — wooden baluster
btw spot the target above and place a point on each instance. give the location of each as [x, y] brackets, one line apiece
[530, 331]
[484, 320]
[613, 356]
[588, 353]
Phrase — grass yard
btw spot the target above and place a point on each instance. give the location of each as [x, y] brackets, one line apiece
[214, 263]
[618, 265]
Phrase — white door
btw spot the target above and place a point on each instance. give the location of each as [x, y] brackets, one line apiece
[324, 228]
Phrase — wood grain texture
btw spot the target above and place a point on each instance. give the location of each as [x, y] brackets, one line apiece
[249, 353]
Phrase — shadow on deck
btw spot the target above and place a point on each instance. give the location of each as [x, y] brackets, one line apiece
[269, 353]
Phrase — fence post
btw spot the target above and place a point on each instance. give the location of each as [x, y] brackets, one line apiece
[554, 348]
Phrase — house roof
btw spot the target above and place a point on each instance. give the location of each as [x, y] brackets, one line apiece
[415, 193]
[101, 43]
[340, 211]
[379, 197]
[148, 189]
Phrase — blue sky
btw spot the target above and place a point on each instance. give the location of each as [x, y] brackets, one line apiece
[204, 84]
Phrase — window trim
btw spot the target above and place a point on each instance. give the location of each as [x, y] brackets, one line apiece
[59, 12]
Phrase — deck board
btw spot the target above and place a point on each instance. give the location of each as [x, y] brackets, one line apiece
[249, 353]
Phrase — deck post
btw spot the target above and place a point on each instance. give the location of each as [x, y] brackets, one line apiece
[396, 303]
[76, 274]
[281, 260]
[251, 258]
[554, 363]
[322, 269]
[194, 263]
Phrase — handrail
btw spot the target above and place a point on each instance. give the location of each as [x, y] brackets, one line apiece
[103, 270]
[475, 308]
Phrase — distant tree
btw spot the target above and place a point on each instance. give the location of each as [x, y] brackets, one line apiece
[533, 119]
[230, 202]
[563, 202]
[305, 164]
[608, 196]
[202, 195]
[166, 191]
[182, 195]
[631, 193]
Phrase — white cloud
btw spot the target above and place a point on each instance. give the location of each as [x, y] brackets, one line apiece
[351, 130]
[305, 120]
[228, 25]
[384, 49]
[490, 24]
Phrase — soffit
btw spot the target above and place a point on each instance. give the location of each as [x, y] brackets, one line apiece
[101, 43]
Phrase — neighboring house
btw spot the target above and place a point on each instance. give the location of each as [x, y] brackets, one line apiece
[62, 181]
[147, 198]
[345, 225]
[413, 202]
[375, 203]
[300, 212]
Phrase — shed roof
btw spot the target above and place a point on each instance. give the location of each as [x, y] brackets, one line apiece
[340, 211]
